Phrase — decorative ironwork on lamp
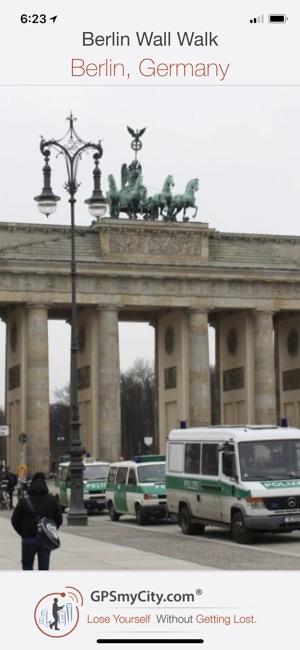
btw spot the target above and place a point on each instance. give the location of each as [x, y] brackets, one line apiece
[71, 147]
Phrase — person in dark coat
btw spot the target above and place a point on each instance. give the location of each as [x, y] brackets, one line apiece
[24, 522]
[12, 480]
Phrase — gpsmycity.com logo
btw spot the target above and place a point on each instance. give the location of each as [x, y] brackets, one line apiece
[57, 614]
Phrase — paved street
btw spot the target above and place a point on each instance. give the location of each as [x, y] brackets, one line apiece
[103, 544]
[215, 549]
[83, 550]
[161, 545]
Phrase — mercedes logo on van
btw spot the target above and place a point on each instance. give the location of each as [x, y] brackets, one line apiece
[291, 502]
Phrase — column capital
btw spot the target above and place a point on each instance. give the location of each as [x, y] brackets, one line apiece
[198, 310]
[260, 311]
[37, 305]
[105, 308]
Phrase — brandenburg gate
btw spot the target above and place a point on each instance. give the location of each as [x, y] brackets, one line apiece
[181, 278]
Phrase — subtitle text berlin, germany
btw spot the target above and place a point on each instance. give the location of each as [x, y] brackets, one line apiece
[149, 68]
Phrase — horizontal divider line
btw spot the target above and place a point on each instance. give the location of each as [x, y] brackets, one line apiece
[142, 641]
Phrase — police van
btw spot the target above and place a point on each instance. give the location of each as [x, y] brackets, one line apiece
[246, 478]
[94, 484]
[137, 487]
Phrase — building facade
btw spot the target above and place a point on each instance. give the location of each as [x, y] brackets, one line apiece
[183, 279]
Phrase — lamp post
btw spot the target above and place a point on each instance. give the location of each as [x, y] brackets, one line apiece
[60, 439]
[71, 147]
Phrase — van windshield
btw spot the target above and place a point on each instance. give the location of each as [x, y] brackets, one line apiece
[152, 473]
[95, 472]
[269, 460]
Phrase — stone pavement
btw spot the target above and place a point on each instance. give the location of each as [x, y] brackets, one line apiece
[81, 553]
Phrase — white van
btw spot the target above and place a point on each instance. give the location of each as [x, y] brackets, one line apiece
[137, 487]
[94, 484]
[246, 478]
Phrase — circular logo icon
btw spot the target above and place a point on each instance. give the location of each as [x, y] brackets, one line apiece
[291, 502]
[57, 613]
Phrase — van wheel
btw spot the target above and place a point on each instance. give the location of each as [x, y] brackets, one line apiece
[140, 516]
[240, 533]
[185, 522]
[114, 516]
[200, 529]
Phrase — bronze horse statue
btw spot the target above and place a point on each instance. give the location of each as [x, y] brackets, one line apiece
[130, 199]
[113, 197]
[158, 204]
[183, 202]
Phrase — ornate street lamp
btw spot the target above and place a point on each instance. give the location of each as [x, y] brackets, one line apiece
[71, 147]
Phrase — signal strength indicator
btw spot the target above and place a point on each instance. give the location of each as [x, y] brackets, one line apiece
[258, 19]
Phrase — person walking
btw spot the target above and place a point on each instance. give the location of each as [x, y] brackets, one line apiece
[12, 480]
[24, 522]
[55, 613]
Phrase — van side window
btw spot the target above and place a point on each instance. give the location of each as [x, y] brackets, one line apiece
[112, 474]
[131, 477]
[121, 475]
[65, 474]
[228, 461]
[192, 458]
[210, 459]
[176, 456]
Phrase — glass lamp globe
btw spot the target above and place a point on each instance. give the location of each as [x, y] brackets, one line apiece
[97, 205]
[47, 206]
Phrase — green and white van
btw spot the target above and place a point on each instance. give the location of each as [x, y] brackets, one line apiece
[94, 484]
[246, 478]
[137, 487]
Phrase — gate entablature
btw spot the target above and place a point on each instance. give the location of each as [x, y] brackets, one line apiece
[117, 259]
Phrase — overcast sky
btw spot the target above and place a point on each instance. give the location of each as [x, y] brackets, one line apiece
[241, 142]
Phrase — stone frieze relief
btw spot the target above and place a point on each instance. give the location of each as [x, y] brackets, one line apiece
[159, 245]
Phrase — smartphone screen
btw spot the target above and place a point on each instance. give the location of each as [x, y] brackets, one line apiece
[149, 283]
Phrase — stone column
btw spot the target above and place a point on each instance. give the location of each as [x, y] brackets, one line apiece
[216, 378]
[199, 374]
[155, 447]
[37, 389]
[276, 368]
[109, 386]
[265, 399]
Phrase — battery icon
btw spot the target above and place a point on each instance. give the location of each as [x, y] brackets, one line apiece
[277, 18]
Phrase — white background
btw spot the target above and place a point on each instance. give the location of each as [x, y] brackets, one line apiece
[239, 594]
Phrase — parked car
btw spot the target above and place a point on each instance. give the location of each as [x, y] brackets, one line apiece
[137, 487]
[94, 484]
[245, 478]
